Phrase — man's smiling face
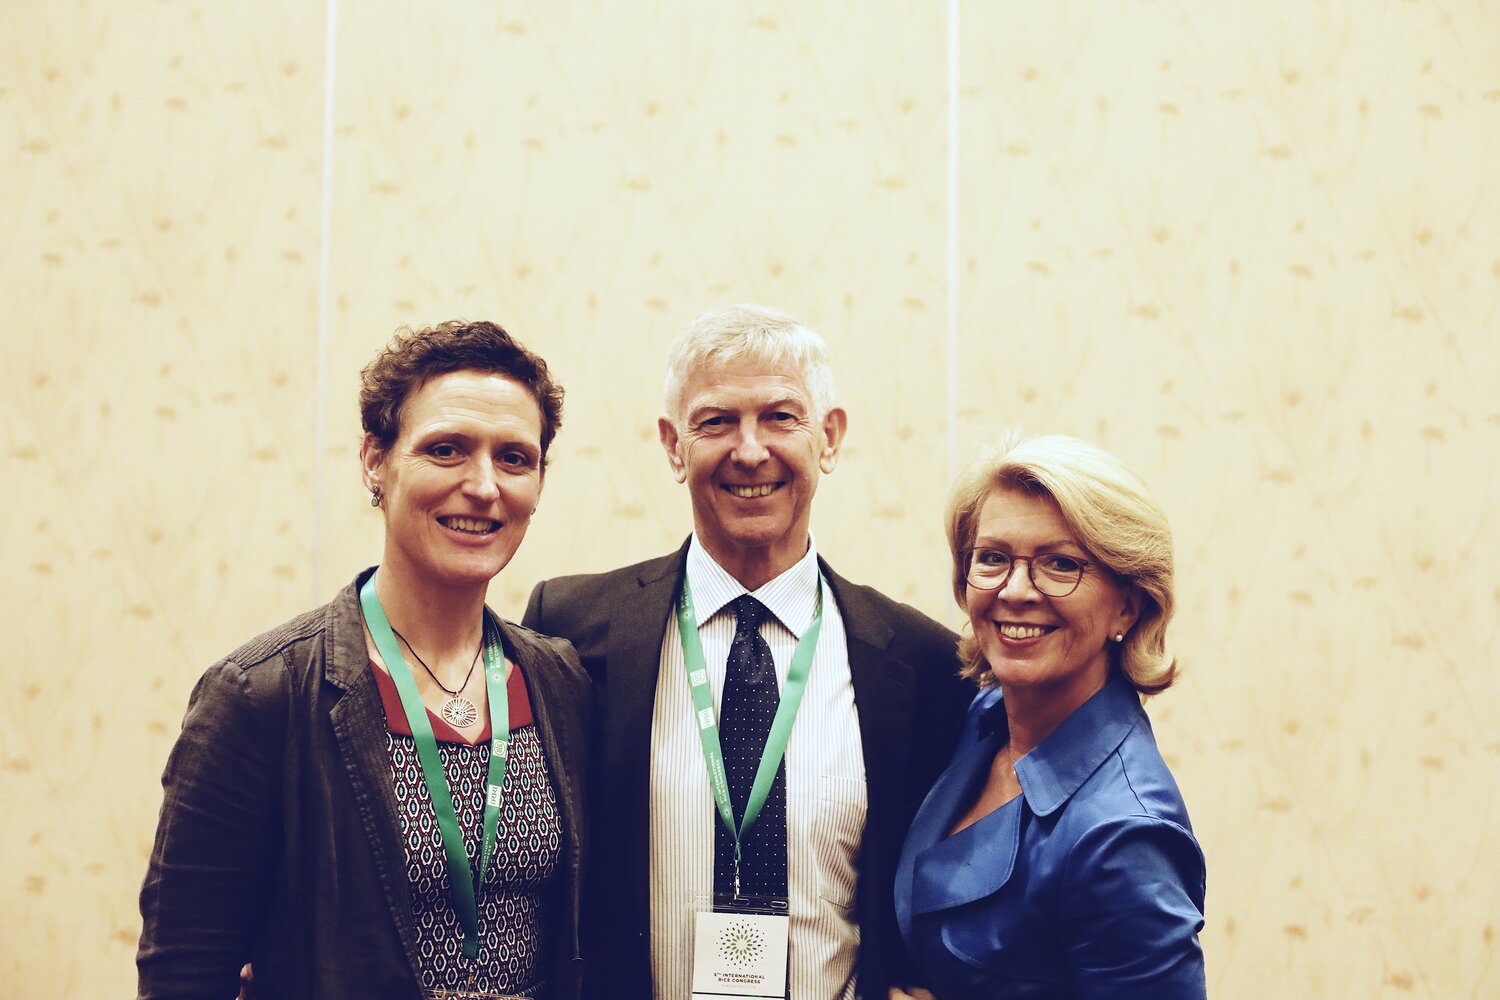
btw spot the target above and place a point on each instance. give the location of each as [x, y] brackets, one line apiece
[750, 446]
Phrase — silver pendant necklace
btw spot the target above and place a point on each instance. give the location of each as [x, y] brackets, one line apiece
[457, 711]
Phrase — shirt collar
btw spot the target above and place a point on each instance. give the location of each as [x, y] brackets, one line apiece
[791, 596]
[1059, 765]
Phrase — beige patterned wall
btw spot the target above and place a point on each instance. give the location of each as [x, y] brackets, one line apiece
[1252, 248]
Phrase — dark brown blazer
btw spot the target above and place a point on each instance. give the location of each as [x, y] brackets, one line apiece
[907, 694]
[279, 841]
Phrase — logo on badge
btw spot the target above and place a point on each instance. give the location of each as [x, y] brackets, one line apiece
[741, 943]
[706, 718]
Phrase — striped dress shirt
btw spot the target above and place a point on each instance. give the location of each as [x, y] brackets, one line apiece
[825, 785]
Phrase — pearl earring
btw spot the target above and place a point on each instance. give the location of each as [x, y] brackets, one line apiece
[1119, 637]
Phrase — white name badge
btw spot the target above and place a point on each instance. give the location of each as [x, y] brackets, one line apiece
[739, 955]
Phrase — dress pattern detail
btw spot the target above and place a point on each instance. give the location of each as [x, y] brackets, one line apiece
[515, 902]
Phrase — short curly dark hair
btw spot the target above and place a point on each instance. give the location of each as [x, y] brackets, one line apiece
[414, 357]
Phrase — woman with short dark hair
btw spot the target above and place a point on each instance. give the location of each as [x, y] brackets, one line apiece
[383, 797]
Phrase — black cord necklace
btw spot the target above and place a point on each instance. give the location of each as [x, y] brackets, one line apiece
[457, 710]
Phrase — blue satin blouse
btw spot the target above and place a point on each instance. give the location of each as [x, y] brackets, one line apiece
[1088, 884]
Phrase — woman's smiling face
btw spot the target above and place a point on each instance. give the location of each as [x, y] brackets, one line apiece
[1052, 647]
[461, 480]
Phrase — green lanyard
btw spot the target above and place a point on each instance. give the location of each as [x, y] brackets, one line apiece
[708, 725]
[461, 882]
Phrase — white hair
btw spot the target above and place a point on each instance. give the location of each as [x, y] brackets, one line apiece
[751, 333]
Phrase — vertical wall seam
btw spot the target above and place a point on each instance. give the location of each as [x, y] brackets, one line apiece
[325, 240]
[953, 247]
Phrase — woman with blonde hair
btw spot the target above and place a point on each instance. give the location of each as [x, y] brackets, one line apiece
[1054, 857]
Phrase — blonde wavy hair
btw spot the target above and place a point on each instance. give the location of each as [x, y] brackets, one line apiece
[1111, 514]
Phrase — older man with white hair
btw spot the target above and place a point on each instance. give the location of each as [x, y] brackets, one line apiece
[766, 728]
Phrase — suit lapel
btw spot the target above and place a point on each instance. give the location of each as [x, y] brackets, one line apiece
[636, 628]
[883, 692]
[551, 705]
[884, 702]
[358, 722]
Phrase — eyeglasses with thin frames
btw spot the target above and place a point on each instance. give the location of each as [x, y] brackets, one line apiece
[1052, 574]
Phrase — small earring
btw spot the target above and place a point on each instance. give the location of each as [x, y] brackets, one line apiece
[1119, 637]
[375, 497]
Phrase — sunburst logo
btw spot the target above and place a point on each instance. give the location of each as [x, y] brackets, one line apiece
[741, 944]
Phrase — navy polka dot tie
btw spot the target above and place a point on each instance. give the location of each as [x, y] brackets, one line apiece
[745, 715]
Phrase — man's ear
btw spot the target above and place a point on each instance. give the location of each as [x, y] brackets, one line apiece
[371, 462]
[835, 423]
[670, 443]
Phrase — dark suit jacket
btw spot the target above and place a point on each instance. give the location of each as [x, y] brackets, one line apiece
[280, 839]
[907, 694]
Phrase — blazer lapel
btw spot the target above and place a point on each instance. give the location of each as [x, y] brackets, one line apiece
[977, 861]
[550, 707]
[638, 622]
[885, 705]
[883, 692]
[358, 727]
